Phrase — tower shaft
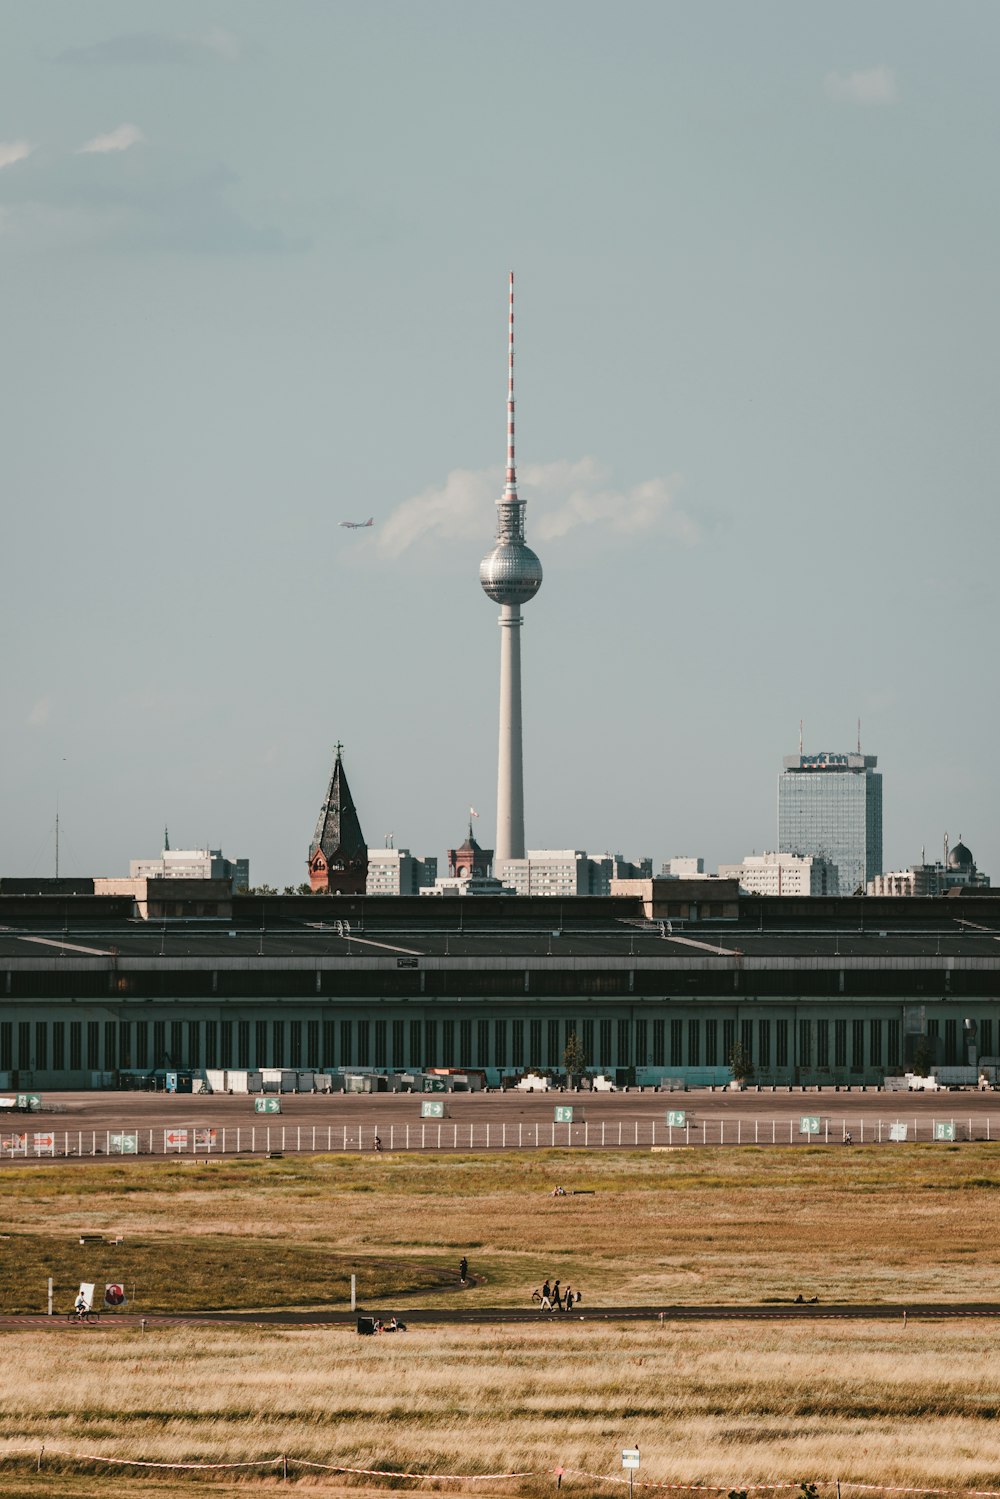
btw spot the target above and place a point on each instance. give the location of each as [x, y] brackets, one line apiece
[510, 771]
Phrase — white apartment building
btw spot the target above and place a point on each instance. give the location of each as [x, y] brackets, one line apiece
[395, 871]
[784, 874]
[683, 867]
[193, 864]
[547, 871]
[568, 871]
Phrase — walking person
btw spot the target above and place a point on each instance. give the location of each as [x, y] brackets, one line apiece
[557, 1297]
[569, 1298]
[463, 1269]
[546, 1297]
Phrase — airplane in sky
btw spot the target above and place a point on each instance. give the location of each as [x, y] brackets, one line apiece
[358, 525]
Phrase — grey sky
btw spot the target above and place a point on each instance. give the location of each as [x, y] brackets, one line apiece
[253, 266]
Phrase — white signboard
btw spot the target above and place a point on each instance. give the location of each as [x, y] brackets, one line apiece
[87, 1292]
[175, 1139]
[14, 1144]
[630, 1457]
[204, 1139]
[44, 1144]
[114, 1296]
[124, 1144]
[897, 1131]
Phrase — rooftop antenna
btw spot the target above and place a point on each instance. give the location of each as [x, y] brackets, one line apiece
[57, 835]
[388, 840]
[800, 739]
[946, 850]
[859, 736]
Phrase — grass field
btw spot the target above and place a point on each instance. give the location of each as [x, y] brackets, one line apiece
[727, 1403]
[919, 1223]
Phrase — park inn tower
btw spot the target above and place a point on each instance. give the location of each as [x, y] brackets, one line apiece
[831, 805]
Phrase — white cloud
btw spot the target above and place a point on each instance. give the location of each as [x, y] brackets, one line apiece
[115, 140]
[864, 86]
[221, 42]
[39, 713]
[563, 496]
[11, 151]
[140, 49]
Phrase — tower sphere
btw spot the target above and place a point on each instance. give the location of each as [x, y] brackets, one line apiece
[511, 573]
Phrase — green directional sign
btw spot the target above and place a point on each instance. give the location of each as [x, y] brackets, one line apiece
[809, 1124]
[124, 1144]
[267, 1105]
[435, 1085]
[944, 1129]
[432, 1108]
[677, 1117]
[30, 1101]
[564, 1113]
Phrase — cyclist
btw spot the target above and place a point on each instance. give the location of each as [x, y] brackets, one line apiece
[81, 1307]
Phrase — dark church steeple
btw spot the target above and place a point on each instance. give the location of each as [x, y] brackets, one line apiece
[338, 855]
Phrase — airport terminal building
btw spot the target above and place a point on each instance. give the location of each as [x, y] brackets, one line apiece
[656, 984]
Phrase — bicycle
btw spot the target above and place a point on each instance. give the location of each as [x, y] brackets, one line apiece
[82, 1314]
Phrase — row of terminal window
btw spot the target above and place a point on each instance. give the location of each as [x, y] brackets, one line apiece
[841, 1043]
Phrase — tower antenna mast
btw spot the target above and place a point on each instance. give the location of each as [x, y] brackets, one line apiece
[510, 575]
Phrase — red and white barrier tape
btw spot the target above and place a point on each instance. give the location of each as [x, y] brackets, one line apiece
[301, 1462]
[138, 1462]
[647, 1483]
[707, 1488]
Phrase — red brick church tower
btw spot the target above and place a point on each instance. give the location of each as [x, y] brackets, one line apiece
[338, 854]
[470, 859]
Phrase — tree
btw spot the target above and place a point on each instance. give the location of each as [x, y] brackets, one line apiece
[575, 1059]
[740, 1063]
[922, 1057]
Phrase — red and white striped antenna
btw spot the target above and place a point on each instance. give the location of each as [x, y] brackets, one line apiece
[510, 492]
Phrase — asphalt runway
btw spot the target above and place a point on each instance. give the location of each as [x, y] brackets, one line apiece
[460, 1316]
[81, 1122]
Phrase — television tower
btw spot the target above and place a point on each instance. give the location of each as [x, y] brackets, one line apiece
[510, 575]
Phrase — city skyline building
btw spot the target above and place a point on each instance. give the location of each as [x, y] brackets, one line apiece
[830, 805]
[338, 854]
[395, 871]
[958, 871]
[192, 864]
[569, 871]
[773, 873]
[510, 575]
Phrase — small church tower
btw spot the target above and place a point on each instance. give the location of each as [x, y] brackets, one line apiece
[338, 854]
[470, 860]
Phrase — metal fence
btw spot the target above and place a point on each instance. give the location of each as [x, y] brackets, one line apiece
[447, 1135]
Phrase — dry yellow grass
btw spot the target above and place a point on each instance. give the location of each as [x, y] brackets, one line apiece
[726, 1404]
[919, 1223]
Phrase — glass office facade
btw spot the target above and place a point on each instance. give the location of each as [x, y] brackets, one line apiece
[831, 805]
